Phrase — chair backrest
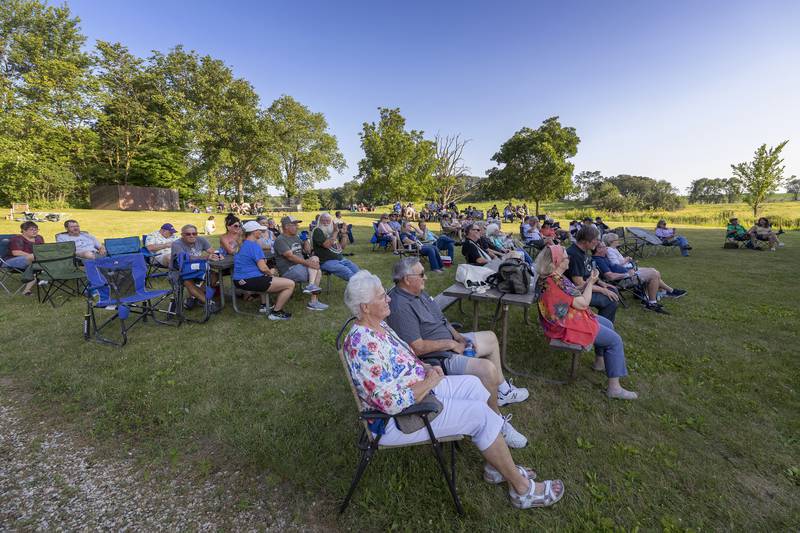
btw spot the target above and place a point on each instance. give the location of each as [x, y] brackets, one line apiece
[117, 276]
[56, 258]
[340, 348]
[5, 240]
[190, 267]
[122, 245]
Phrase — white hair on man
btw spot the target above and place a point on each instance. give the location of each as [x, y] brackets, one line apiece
[325, 223]
[361, 289]
[403, 268]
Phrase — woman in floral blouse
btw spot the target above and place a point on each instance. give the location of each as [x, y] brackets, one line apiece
[389, 377]
[565, 315]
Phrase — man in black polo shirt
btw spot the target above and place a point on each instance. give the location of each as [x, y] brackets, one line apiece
[604, 297]
[417, 319]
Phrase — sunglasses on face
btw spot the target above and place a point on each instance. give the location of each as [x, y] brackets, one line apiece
[189, 234]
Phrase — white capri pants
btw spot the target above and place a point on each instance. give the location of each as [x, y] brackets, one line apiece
[465, 413]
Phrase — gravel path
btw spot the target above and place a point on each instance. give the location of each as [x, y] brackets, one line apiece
[50, 481]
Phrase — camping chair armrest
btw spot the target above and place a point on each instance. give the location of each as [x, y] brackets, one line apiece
[436, 358]
[421, 408]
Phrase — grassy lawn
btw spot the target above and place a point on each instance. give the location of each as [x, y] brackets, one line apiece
[713, 443]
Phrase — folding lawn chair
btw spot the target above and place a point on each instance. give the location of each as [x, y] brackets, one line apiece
[649, 242]
[154, 268]
[122, 245]
[378, 241]
[369, 443]
[117, 284]
[8, 273]
[55, 264]
[196, 270]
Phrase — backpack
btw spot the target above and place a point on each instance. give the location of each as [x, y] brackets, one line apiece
[513, 277]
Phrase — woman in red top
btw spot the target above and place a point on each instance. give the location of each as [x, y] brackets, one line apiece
[565, 315]
[20, 249]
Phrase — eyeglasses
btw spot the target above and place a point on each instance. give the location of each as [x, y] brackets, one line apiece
[189, 234]
[423, 275]
[236, 225]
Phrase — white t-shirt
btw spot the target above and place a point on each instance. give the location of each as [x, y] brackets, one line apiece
[615, 257]
[157, 238]
[211, 227]
[84, 242]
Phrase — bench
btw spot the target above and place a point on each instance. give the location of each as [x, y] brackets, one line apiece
[444, 301]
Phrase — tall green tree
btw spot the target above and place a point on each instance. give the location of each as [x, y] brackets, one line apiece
[534, 163]
[793, 187]
[305, 150]
[761, 176]
[397, 164]
[45, 89]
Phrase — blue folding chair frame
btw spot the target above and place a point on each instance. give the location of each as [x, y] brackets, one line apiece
[186, 269]
[118, 284]
[122, 246]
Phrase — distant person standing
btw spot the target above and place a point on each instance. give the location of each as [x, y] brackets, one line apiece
[210, 226]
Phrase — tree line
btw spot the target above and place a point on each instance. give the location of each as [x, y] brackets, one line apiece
[73, 118]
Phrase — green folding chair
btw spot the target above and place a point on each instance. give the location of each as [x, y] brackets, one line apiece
[56, 265]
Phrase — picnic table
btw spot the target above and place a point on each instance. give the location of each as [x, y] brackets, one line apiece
[224, 267]
[525, 301]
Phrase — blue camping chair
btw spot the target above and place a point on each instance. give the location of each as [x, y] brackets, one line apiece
[195, 269]
[117, 284]
[122, 246]
[154, 268]
[378, 241]
[7, 272]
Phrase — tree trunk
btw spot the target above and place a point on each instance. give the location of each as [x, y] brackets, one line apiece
[536, 201]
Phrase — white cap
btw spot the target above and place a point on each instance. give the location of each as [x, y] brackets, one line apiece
[252, 225]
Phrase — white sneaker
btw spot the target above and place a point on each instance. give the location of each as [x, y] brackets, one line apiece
[513, 438]
[514, 395]
[781, 245]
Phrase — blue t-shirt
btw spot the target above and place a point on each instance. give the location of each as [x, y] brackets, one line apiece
[245, 262]
[412, 236]
[605, 266]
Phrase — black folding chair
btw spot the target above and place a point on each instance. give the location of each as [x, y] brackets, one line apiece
[7, 272]
[369, 443]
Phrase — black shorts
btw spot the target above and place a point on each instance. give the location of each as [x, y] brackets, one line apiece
[257, 284]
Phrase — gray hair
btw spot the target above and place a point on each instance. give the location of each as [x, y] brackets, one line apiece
[188, 226]
[361, 289]
[610, 238]
[403, 268]
[325, 214]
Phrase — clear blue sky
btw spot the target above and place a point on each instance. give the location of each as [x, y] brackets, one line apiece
[671, 90]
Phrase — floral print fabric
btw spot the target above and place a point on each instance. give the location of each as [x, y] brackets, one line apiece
[559, 319]
[383, 368]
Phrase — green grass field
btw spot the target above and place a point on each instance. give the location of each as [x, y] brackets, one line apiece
[713, 443]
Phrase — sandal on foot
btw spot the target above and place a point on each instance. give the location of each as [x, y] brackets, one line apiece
[531, 499]
[493, 476]
[622, 394]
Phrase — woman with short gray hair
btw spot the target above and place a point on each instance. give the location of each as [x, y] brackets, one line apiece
[389, 377]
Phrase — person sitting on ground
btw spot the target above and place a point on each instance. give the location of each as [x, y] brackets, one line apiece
[86, 245]
[160, 242]
[373, 349]
[736, 232]
[530, 233]
[671, 238]
[419, 322]
[564, 314]
[762, 231]
[385, 232]
[195, 247]
[505, 243]
[20, 253]
[471, 249]
[442, 242]
[410, 241]
[290, 253]
[211, 226]
[603, 297]
[232, 238]
[251, 274]
[630, 277]
[325, 241]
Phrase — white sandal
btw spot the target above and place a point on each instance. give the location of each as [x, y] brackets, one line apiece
[531, 499]
[493, 476]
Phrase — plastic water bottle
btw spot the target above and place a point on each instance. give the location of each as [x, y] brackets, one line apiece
[469, 351]
[660, 294]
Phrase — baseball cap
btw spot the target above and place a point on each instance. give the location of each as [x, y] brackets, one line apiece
[252, 225]
[169, 227]
[289, 219]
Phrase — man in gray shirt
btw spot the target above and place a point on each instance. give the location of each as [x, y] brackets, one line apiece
[291, 263]
[417, 319]
[195, 246]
